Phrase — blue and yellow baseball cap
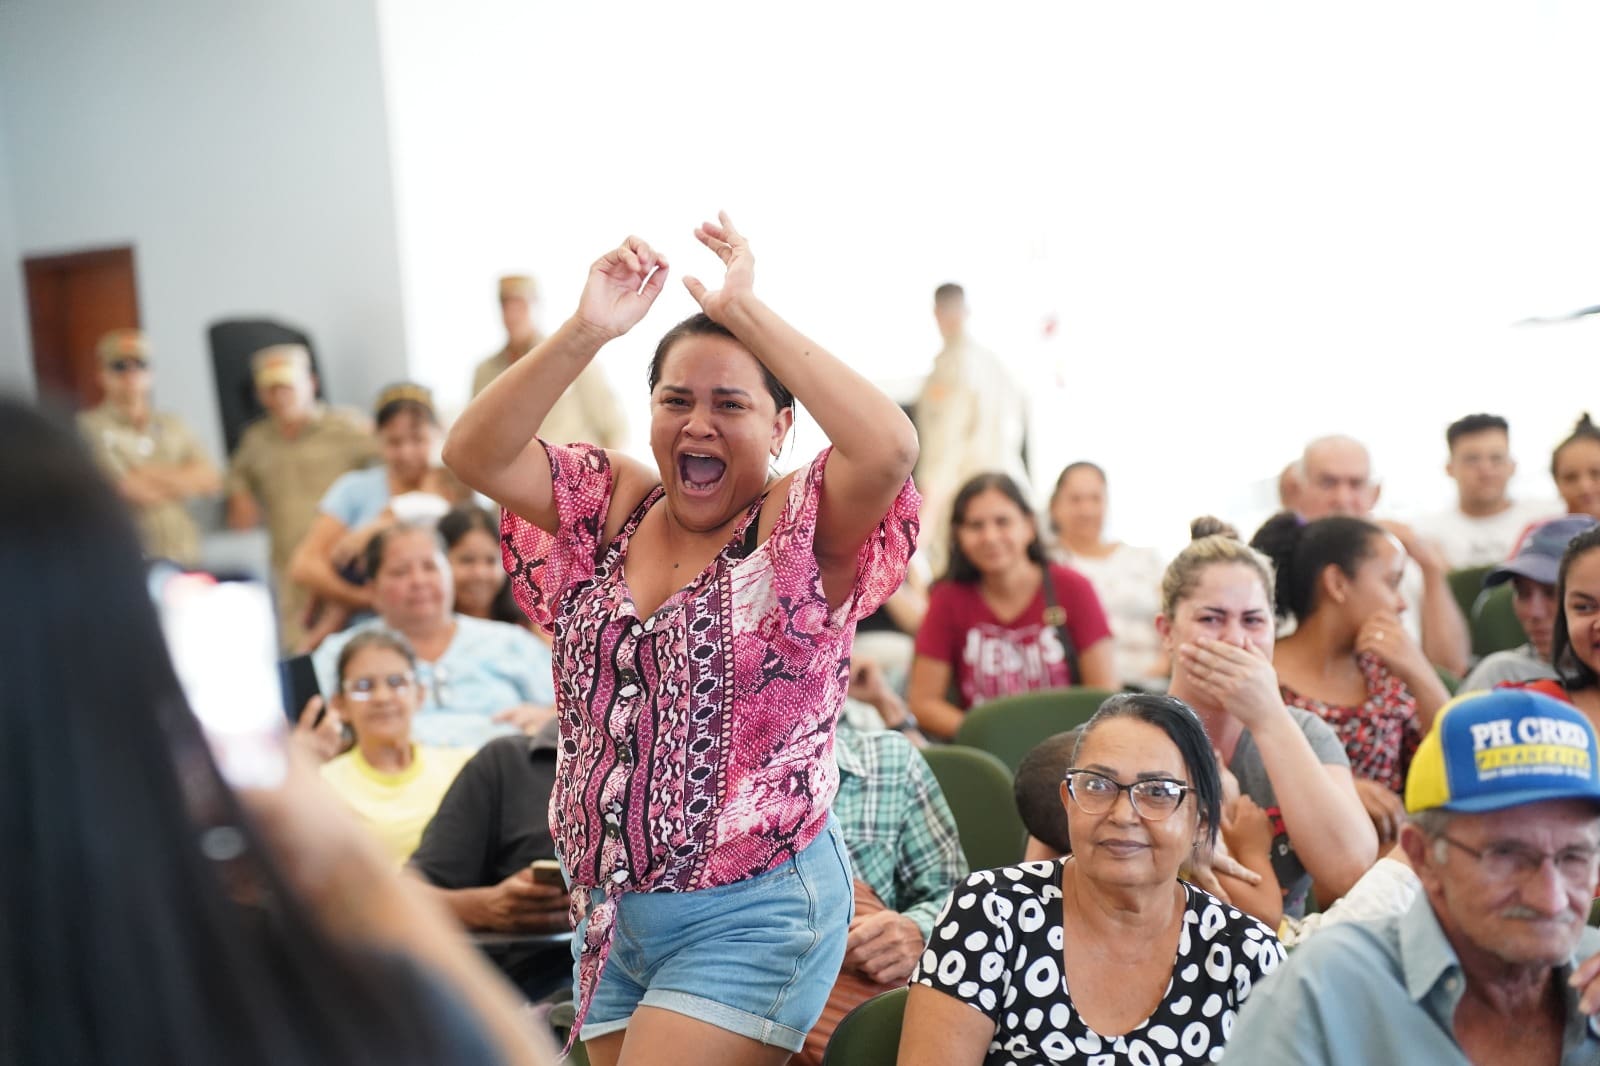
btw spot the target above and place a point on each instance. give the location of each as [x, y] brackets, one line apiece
[1503, 748]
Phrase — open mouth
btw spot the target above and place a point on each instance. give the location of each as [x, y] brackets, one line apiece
[700, 473]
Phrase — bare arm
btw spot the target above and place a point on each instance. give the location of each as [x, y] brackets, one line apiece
[493, 446]
[874, 443]
[1446, 639]
[1097, 666]
[516, 905]
[940, 1030]
[1321, 812]
[925, 695]
[197, 477]
[243, 510]
[312, 565]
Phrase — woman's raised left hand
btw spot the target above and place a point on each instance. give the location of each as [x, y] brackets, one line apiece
[740, 278]
[1385, 636]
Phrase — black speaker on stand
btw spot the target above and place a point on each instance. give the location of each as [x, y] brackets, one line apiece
[233, 342]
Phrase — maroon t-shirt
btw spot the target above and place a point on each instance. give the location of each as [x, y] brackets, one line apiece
[992, 658]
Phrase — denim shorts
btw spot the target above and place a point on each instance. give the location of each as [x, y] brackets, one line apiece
[757, 957]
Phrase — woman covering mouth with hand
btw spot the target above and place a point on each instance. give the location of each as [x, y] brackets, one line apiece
[702, 615]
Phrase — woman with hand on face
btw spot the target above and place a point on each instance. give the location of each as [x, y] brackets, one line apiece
[1350, 661]
[328, 561]
[391, 783]
[1217, 623]
[1105, 954]
[1003, 620]
[702, 614]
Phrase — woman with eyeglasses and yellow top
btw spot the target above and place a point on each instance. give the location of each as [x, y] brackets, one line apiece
[391, 783]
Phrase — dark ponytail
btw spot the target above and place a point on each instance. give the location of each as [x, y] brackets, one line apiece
[1300, 551]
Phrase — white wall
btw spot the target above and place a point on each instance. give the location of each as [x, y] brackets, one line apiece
[16, 363]
[1253, 222]
[241, 148]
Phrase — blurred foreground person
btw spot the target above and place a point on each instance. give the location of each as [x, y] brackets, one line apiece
[153, 915]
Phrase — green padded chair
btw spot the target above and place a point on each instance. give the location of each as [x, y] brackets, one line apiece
[1466, 584]
[978, 788]
[1494, 622]
[870, 1034]
[1012, 726]
[1450, 681]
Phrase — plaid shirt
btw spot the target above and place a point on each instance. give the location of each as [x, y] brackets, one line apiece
[896, 824]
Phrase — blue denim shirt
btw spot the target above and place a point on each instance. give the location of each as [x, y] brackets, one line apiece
[1381, 992]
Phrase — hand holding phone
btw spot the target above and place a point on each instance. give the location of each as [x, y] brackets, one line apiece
[547, 872]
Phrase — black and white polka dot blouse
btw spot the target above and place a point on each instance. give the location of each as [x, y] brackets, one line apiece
[997, 945]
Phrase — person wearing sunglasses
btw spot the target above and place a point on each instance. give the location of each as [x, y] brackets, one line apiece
[1105, 953]
[392, 783]
[151, 457]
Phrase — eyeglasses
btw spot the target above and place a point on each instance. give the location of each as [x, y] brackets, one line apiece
[1153, 799]
[124, 366]
[1510, 861]
[362, 689]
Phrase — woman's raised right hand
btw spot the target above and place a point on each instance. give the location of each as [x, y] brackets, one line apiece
[1239, 680]
[622, 285]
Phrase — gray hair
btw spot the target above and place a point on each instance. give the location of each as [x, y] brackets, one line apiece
[1433, 823]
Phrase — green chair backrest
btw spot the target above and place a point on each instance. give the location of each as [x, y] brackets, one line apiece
[977, 786]
[1450, 681]
[1465, 584]
[1012, 726]
[870, 1034]
[1494, 622]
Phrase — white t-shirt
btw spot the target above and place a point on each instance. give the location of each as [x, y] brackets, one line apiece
[1468, 541]
[1128, 583]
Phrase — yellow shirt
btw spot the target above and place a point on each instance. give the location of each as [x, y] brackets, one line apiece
[396, 807]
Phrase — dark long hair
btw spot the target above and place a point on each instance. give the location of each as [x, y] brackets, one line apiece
[962, 569]
[1179, 722]
[701, 324]
[123, 940]
[1300, 551]
[457, 524]
[1575, 673]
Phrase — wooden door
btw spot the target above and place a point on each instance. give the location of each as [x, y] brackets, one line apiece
[72, 301]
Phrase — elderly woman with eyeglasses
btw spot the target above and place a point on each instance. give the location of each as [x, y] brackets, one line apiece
[1105, 954]
[392, 783]
[477, 678]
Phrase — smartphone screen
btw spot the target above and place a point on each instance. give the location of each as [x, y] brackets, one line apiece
[222, 636]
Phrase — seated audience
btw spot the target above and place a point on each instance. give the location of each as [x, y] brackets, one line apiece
[1349, 660]
[151, 457]
[906, 857]
[472, 544]
[477, 851]
[1336, 479]
[1532, 570]
[1126, 579]
[1485, 523]
[391, 783]
[1481, 967]
[478, 678]
[1106, 953]
[153, 913]
[1217, 622]
[1575, 466]
[328, 560]
[995, 626]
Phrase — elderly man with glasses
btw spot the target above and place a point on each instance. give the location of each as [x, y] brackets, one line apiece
[1504, 834]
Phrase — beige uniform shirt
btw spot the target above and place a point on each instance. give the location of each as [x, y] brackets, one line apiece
[288, 477]
[586, 412]
[972, 418]
[166, 529]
